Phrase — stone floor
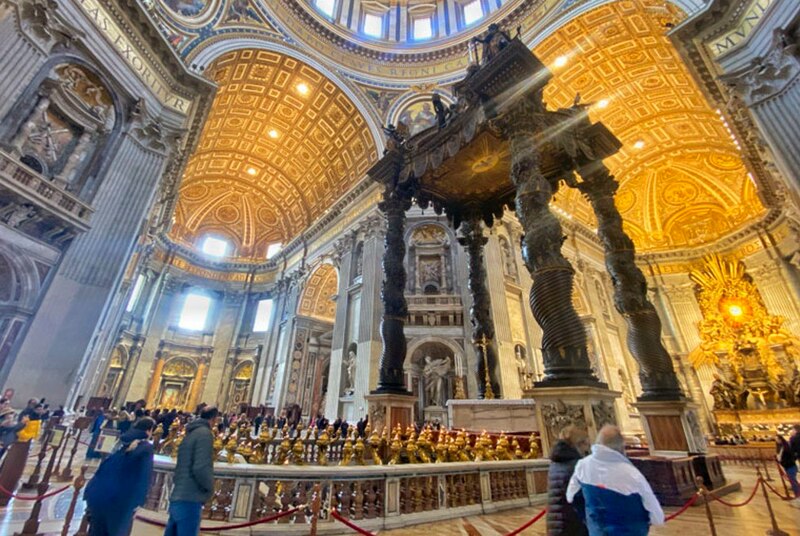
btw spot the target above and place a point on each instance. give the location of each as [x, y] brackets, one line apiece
[750, 520]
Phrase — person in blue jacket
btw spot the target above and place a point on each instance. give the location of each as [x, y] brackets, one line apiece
[619, 501]
[121, 482]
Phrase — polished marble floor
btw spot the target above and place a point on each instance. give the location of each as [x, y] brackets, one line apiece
[751, 520]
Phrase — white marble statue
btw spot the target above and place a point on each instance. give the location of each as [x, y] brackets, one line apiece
[350, 369]
[434, 374]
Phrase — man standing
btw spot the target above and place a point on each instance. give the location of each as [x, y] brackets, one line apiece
[194, 476]
[618, 498]
[794, 441]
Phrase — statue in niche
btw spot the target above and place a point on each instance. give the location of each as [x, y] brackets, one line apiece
[359, 261]
[601, 294]
[442, 113]
[350, 369]
[20, 214]
[525, 376]
[509, 264]
[44, 136]
[627, 394]
[434, 373]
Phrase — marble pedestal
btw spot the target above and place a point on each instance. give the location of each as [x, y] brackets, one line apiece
[436, 413]
[586, 407]
[391, 409]
[672, 427]
[493, 415]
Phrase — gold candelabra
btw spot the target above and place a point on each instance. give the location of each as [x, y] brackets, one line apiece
[483, 343]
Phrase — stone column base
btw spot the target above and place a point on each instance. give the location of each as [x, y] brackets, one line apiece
[436, 413]
[390, 409]
[586, 407]
[672, 427]
[493, 415]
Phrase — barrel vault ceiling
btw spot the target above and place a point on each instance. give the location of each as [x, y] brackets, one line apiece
[280, 145]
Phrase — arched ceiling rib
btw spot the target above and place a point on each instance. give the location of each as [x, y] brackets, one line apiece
[687, 185]
[280, 145]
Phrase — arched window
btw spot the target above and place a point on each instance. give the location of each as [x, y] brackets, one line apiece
[194, 314]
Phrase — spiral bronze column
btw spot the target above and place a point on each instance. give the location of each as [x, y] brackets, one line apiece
[395, 309]
[480, 314]
[657, 375]
[566, 361]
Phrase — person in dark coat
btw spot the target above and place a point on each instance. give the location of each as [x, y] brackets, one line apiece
[564, 518]
[194, 476]
[97, 427]
[9, 429]
[786, 459]
[794, 441]
[121, 482]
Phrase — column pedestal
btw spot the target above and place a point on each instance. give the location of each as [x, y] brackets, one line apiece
[672, 427]
[390, 409]
[506, 415]
[586, 407]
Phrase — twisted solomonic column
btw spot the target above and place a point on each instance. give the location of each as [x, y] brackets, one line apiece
[391, 377]
[566, 361]
[659, 381]
[480, 313]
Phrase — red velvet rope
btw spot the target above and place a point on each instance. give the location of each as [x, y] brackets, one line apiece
[335, 515]
[776, 492]
[536, 518]
[732, 505]
[11, 494]
[261, 521]
[685, 507]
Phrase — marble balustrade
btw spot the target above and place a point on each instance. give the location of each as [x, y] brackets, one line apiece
[374, 497]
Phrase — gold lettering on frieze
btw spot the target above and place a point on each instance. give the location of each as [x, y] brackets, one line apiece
[752, 16]
[142, 67]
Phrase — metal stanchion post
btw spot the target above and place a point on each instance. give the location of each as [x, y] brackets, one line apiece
[63, 446]
[774, 531]
[31, 527]
[707, 501]
[33, 481]
[766, 470]
[79, 482]
[66, 474]
[316, 503]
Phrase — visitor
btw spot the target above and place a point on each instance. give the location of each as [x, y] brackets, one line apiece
[564, 518]
[123, 422]
[787, 461]
[59, 413]
[618, 498]
[794, 442]
[257, 422]
[193, 481]
[30, 411]
[97, 426]
[9, 428]
[111, 505]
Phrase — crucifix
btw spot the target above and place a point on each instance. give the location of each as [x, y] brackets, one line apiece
[483, 343]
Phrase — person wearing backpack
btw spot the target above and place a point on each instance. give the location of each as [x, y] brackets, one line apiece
[121, 482]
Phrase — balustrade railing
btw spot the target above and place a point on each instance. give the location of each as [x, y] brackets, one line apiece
[376, 496]
[38, 191]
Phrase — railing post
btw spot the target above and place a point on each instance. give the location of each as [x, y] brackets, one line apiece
[707, 502]
[774, 531]
[79, 482]
[31, 527]
[33, 481]
[316, 503]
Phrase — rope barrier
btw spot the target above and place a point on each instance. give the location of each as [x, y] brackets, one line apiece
[535, 518]
[732, 505]
[335, 515]
[34, 497]
[776, 492]
[261, 521]
[685, 507]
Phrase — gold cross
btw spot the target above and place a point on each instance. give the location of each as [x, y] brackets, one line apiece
[483, 343]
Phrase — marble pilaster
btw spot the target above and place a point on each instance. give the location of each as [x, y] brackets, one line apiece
[224, 335]
[343, 256]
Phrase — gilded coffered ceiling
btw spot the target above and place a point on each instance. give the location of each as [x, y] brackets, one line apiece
[280, 145]
[317, 299]
[683, 181]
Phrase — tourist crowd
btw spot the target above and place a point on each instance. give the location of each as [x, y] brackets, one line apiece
[593, 489]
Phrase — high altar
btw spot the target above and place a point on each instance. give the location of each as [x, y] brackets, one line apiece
[498, 146]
